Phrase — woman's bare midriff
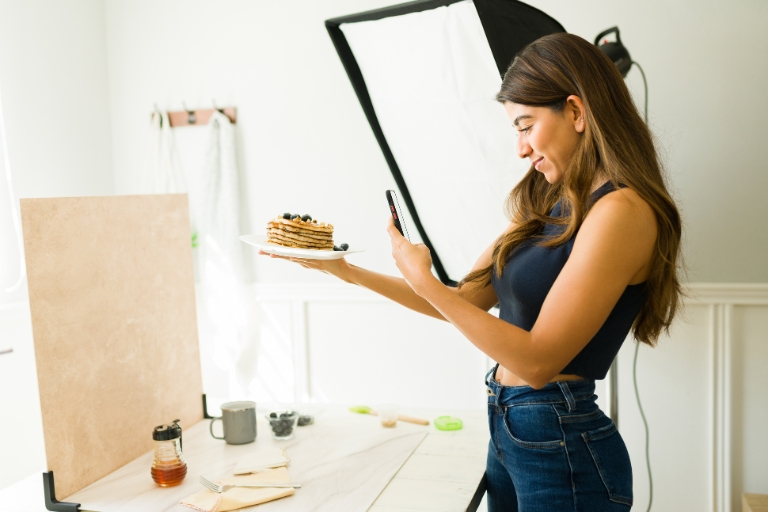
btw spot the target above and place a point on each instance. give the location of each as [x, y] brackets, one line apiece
[507, 378]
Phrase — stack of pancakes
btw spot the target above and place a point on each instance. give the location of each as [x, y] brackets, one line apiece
[299, 233]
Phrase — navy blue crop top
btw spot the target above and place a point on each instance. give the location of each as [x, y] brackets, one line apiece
[526, 280]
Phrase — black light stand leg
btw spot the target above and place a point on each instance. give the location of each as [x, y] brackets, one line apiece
[479, 493]
[51, 503]
[612, 391]
[205, 409]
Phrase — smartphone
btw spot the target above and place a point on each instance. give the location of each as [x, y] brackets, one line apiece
[397, 213]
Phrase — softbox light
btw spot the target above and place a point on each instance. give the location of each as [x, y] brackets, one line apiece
[426, 74]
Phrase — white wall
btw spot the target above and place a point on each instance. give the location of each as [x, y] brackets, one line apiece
[22, 451]
[702, 394]
[345, 344]
[53, 75]
[304, 143]
[81, 75]
[704, 64]
[306, 146]
[53, 80]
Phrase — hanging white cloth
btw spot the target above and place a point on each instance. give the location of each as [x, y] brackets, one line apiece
[163, 173]
[220, 257]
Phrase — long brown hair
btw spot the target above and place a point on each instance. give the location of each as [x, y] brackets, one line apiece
[616, 145]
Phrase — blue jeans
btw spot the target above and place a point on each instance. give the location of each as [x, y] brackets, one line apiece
[554, 450]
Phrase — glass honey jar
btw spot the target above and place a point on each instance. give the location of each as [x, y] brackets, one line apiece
[168, 468]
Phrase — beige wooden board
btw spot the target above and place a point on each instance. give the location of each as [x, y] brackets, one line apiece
[111, 291]
[754, 502]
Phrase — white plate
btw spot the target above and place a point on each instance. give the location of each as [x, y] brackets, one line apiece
[260, 241]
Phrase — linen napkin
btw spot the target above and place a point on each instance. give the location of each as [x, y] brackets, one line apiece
[239, 497]
[263, 459]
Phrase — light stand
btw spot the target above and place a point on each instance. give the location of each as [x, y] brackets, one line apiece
[620, 57]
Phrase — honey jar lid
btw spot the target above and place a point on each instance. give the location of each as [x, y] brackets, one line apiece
[167, 432]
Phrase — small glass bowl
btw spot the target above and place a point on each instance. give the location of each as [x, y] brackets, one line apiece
[282, 422]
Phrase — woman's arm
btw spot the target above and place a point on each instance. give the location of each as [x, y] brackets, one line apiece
[397, 289]
[612, 249]
[394, 288]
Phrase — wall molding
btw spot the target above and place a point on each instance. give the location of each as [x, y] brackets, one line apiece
[298, 296]
[742, 294]
[720, 327]
[314, 292]
[696, 293]
[737, 294]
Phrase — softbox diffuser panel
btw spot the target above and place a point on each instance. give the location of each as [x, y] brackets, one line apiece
[426, 76]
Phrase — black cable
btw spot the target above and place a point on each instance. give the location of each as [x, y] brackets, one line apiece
[645, 84]
[645, 422]
[637, 345]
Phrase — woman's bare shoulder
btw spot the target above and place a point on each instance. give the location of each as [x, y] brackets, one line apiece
[620, 227]
[625, 206]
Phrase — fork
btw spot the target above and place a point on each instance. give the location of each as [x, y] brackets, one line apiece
[224, 488]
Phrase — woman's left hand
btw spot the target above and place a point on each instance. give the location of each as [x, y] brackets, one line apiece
[413, 260]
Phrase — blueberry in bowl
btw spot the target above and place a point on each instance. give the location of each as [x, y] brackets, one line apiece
[282, 422]
[306, 419]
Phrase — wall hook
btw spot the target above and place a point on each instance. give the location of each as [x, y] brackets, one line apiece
[158, 114]
[190, 114]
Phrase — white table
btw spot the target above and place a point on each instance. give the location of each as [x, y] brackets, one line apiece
[345, 462]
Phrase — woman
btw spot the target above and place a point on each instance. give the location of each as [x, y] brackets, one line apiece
[591, 253]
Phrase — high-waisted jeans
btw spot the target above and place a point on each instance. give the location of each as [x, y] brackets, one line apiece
[554, 450]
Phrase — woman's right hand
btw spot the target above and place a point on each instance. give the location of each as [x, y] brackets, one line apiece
[337, 267]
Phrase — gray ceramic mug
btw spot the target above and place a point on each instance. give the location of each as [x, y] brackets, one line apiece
[239, 422]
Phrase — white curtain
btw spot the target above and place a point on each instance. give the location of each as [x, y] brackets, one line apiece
[163, 172]
[220, 259]
[226, 328]
[12, 268]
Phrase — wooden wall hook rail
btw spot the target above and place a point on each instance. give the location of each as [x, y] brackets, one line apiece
[197, 117]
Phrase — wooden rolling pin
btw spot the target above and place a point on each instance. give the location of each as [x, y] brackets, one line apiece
[401, 417]
[363, 409]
